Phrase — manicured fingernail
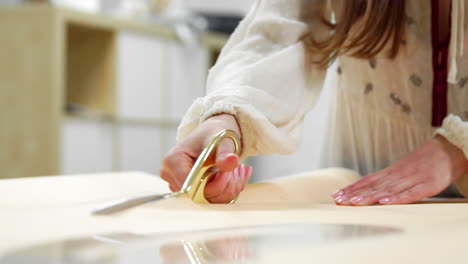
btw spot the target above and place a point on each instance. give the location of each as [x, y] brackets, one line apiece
[356, 200]
[338, 193]
[384, 201]
[340, 199]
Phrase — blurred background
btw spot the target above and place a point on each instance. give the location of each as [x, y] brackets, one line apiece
[89, 86]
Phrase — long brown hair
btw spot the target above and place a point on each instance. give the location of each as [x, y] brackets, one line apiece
[381, 24]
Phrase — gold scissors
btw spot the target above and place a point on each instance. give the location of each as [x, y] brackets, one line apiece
[194, 185]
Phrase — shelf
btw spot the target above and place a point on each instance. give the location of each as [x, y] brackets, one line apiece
[163, 123]
[90, 59]
[215, 41]
[106, 22]
[149, 122]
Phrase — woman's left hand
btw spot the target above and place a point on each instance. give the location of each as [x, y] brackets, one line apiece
[423, 173]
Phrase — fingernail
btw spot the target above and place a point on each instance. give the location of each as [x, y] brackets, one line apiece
[356, 200]
[384, 201]
[338, 193]
[246, 171]
[236, 174]
[249, 171]
[242, 169]
[340, 199]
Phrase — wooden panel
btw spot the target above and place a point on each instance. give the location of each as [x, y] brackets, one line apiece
[30, 91]
[115, 23]
[91, 68]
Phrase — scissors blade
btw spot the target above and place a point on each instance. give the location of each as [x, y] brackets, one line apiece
[124, 204]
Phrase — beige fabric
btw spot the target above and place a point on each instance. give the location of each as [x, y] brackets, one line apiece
[443, 245]
[380, 109]
[51, 208]
[462, 185]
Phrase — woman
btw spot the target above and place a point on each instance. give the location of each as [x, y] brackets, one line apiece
[400, 69]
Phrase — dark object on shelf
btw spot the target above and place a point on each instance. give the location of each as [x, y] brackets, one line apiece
[78, 110]
[221, 23]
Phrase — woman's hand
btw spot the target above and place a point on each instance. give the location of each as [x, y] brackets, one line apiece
[423, 173]
[231, 178]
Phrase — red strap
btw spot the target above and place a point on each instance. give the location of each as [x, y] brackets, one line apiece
[440, 49]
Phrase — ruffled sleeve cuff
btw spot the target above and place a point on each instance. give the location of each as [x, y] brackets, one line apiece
[200, 112]
[455, 130]
[258, 134]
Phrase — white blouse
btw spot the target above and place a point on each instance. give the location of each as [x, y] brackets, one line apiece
[381, 108]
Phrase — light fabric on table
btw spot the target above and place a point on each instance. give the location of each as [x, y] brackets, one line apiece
[60, 208]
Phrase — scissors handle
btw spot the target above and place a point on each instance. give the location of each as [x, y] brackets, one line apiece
[199, 176]
[194, 185]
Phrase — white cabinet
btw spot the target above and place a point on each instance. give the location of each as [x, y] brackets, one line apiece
[86, 146]
[189, 68]
[157, 80]
[141, 75]
[145, 89]
[140, 148]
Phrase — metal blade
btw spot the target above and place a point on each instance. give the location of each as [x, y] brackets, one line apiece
[124, 204]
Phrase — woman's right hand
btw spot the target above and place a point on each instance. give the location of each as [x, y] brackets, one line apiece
[231, 177]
